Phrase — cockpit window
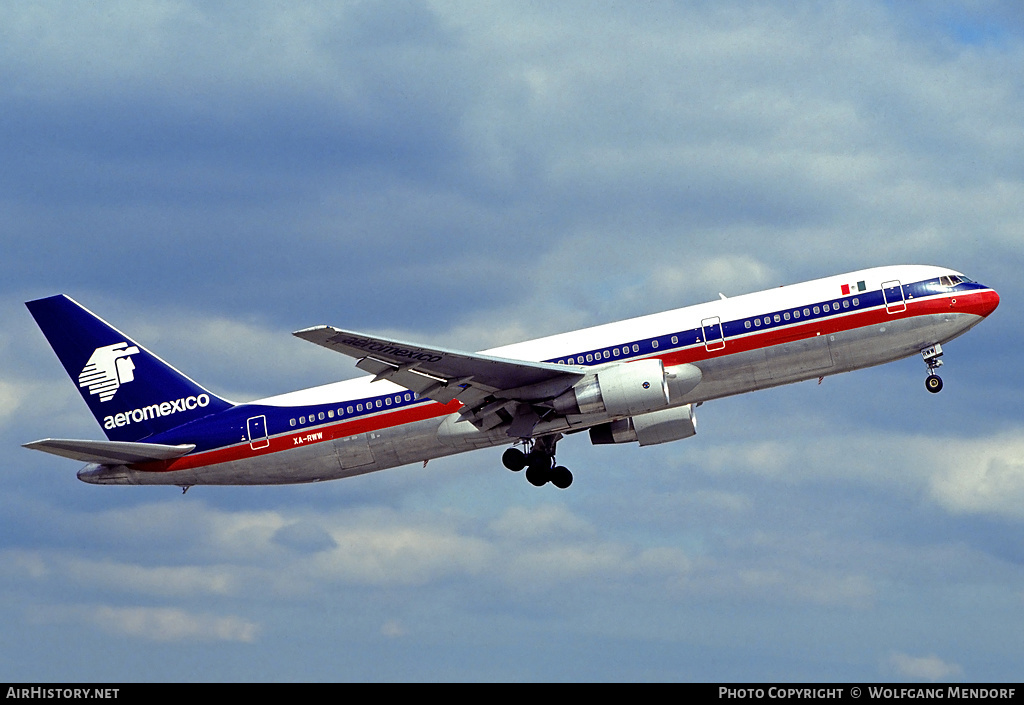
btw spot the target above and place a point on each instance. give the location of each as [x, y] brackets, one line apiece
[952, 280]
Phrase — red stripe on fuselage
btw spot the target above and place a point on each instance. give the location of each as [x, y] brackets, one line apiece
[979, 303]
[302, 437]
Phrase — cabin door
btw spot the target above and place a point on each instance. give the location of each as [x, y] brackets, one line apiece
[714, 338]
[257, 428]
[892, 292]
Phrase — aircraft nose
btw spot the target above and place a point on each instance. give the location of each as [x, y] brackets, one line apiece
[983, 303]
[980, 302]
[989, 302]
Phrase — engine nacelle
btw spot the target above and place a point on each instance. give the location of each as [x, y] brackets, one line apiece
[649, 429]
[621, 390]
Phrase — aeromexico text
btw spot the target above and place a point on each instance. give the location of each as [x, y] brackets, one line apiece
[152, 411]
[386, 348]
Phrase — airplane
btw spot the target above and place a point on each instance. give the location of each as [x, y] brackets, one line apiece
[633, 381]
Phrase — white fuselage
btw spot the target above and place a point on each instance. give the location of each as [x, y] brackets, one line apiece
[739, 344]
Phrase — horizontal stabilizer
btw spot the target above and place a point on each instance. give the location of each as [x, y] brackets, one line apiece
[109, 452]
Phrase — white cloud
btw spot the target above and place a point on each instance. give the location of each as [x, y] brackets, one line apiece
[546, 521]
[180, 581]
[801, 584]
[731, 275]
[12, 395]
[17, 564]
[926, 668]
[981, 476]
[213, 49]
[393, 629]
[255, 360]
[162, 624]
[963, 475]
[401, 555]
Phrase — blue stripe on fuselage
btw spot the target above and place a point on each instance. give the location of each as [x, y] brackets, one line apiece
[229, 427]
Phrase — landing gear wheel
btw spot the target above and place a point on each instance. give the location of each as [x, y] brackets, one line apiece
[538, 471]
[933, 359]
[537, 476]
[561, 477]
[514, 459]
[539, 460]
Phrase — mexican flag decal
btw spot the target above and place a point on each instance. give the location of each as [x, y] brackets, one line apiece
[853, 288]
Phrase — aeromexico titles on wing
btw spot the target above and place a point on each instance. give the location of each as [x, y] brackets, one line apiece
[635, 381]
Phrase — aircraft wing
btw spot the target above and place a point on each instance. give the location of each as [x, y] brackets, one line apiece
[492, 389]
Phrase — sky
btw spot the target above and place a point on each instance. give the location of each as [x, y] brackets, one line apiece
[210, 177]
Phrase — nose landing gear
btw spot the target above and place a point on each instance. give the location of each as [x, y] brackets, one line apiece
[932, 355]
[539, 461]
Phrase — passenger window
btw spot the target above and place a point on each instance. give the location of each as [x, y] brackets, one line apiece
[746, 324]
[675, 339]
[807, 312]
[615, 352]
[359, 407]
[386, 401]
[767, 321]
[796, 313]
[606, 354]
[654, 344]
[856, 302]
[825, 308]
[292, 422]
[330, 413]
[320, 416]
[846, 303]
[817, 310]
[785, 316]
[302, 419]
[590, 358]
[757, 322]
[636, 348]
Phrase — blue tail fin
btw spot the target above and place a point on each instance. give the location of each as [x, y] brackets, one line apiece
[132, 393]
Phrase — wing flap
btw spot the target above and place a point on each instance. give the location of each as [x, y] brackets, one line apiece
[109, 452]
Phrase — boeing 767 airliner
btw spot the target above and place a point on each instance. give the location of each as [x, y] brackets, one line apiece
[634, 381]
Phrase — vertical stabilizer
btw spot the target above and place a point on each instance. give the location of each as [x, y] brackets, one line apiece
[132, 393]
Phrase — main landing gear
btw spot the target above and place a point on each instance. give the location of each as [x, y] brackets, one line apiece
[539, 461]
[931, 355]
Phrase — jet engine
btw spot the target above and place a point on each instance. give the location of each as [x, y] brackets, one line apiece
[620, 390]
[648, 429]
[629, 388]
